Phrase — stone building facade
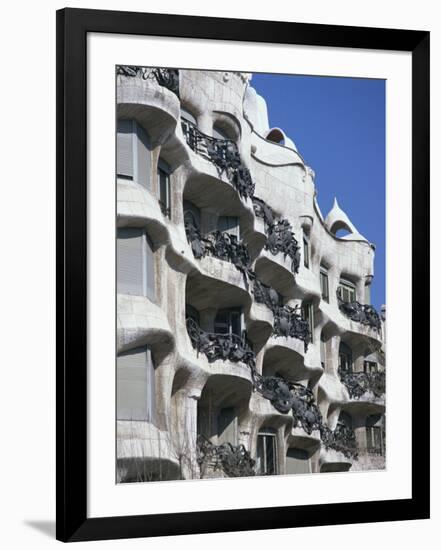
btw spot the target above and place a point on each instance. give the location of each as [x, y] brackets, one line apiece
[246, 342]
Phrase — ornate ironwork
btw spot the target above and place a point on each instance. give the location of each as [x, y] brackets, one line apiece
[223, 153]
[226, 347]
[361, 313]
[304, 409]
[168, 78]
[284, 395]
[280, 235]
[234, 460]
[218, 244]
[264, 294]
[276, 389]
[342, 439]
[289, 322]
[359, 383]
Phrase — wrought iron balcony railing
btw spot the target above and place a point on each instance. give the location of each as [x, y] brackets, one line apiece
[285, 396]
[342, 439]
[218, 244]
[361, 313]
[234, 460]
[226, 347]
[359, 383]
[287, 320]
[223, 153]
[168, 78]
[280, 235]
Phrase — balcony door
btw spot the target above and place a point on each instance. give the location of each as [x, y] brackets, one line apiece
[228, 321]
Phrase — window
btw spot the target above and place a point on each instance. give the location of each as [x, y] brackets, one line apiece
[324, 283]
[346, 291]
[308, 316]
[229, 224]
[136, 385]
[322, 351]
[345, 358]
[266, 463]
[228, 321]
[164, 188]
[227, 426]
[306, 252]
[133, 153]
[370, 367]
[374, 440]
[135, 263]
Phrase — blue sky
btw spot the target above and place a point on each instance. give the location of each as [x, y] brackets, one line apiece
[338, 126]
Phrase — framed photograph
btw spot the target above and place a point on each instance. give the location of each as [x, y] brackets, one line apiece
[242, 275]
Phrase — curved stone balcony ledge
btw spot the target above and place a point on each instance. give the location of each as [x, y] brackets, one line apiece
[220, 367]
[357, 331]
[263, 408]
[287, 356]
[275, 271]
[300, 439]
[142, 446]
[333, 461]
[155, 107]
[226, 272]
[363, 407]
[141, 322]
[138, 207]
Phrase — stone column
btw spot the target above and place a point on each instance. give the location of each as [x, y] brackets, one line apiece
[184, 428]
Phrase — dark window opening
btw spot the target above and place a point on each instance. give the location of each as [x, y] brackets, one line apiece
[164, 191]
[345, 358]
[306, 252]
[228, 321]
[308, 316]
[324, 284]
[266, 463]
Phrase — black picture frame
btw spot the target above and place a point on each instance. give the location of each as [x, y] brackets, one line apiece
[72, 28]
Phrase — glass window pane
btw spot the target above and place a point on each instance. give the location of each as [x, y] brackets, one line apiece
[235, 323]
[270, 455]
[305, 253]
[222, 322]
[260, 461]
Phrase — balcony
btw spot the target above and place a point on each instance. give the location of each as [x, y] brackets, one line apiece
[224, 347]
[168, 78]
[361, 313]
[287, 320]
[280, 237]
[223, 153]
[360, 383]
[233, 460]
[285, 396]
[218, 244]
[342, 440]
